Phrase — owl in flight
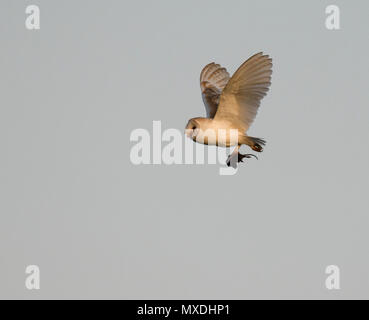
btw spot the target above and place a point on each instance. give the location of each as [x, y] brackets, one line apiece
[231, 104]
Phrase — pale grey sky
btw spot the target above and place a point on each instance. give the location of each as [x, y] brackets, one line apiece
[100, 227]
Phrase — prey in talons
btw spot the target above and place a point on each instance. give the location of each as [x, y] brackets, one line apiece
[236, 157]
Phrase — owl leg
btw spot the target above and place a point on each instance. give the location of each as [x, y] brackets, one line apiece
[236, 157]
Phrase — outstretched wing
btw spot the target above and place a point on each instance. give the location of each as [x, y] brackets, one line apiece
[213, 79]
[241, 97]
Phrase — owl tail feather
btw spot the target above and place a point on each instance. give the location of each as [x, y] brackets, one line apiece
[256, 144]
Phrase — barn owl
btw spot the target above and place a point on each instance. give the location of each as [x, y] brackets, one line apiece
[231, 104]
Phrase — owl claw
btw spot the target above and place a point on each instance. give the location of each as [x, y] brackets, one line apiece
[231, 159]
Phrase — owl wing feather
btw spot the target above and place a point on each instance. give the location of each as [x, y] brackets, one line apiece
[240, 99]
[213, 79]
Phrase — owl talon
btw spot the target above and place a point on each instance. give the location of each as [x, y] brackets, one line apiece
[231, 159]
